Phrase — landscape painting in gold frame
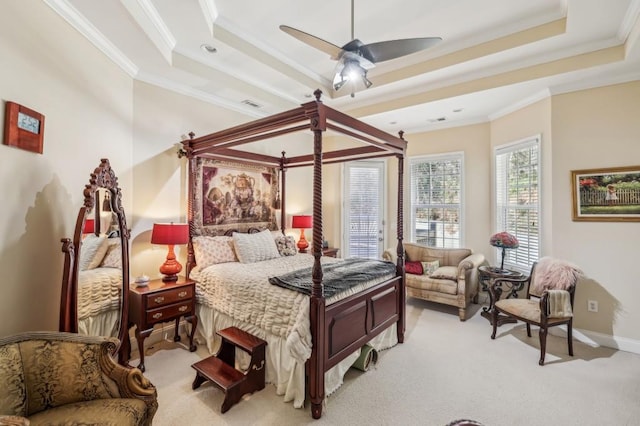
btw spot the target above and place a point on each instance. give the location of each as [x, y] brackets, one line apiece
[611, 194]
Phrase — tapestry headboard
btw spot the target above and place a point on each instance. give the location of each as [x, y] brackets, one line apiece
[232, 196]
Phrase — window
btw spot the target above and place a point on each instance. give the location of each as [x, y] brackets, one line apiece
[517, 185]
[436, 200]
[363, 209]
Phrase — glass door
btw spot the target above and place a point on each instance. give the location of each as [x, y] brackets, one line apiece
[363, 209]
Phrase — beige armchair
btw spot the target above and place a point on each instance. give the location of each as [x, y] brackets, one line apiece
[65, 378]
[454, 283]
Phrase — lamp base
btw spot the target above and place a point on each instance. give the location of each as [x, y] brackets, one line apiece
[303, 244]
[170, 278]
[170, 267]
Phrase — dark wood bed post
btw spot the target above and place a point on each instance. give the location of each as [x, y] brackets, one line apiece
[400, 248]
[317, 302]
[283, 198]
[191, 164]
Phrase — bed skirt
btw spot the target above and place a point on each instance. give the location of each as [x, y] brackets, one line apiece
[106, 323]
[283, 371]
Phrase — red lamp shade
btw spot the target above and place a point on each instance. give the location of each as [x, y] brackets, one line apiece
[302, 222]
[170, 234]
[89, 226]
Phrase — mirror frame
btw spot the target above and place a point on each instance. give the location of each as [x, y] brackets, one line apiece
[102, 177]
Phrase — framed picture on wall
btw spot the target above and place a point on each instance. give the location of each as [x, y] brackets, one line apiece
[23, 128]
[611, 194]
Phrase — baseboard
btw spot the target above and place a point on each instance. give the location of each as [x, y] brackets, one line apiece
[593, 338]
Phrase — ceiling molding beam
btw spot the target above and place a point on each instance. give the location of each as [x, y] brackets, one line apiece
[575, 63]
[210, 13]
[501, 44]
[210, 73]
[148, 19]
[255, 49]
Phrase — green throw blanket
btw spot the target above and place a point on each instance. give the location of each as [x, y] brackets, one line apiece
[337, 277]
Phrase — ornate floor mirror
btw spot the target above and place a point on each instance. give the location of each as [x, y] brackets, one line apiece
[95, 283]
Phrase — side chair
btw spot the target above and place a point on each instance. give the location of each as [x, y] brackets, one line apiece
[548, 302]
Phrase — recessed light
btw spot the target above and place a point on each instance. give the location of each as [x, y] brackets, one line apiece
[393, 122]
[458, 110]
[208, 48]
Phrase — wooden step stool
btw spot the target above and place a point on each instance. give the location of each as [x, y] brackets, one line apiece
[220, 369]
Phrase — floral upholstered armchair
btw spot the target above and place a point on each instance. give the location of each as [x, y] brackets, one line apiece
[448, 276]
[65, 378]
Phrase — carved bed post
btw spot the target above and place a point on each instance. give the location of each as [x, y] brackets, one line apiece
[283, 198]
[400, 248]
[191, 164]
[317, 302]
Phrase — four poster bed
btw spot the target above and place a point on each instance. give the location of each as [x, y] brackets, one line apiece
[317, 336]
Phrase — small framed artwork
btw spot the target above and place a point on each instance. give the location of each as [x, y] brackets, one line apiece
[23, 128]
[611, 194]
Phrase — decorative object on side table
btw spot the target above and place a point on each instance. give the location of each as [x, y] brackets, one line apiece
[170, 234]
[302, 222]
[23, 128]
[504, 240]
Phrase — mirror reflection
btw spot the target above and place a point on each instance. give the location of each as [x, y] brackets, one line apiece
[96, 272]
[99, 297]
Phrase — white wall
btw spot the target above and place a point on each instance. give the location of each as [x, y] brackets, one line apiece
[48, 67]
[594, 129]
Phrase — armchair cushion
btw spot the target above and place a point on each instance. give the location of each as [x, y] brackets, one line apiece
[65, 378]
[446, 273]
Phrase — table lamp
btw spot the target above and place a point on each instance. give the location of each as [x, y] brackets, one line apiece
[170, 234]
[302, 222]
[504, 240]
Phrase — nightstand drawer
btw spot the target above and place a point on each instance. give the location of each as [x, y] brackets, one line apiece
[168, 312]
[167, 297]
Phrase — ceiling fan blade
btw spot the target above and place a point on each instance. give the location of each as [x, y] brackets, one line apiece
[387, 50]
[313, 41]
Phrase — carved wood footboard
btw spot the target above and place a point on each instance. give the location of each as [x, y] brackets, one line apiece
[345, 326]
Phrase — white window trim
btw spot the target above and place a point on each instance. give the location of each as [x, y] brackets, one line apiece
[509, 147]
[454, 155]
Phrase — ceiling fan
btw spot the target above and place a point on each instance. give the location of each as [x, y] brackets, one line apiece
[355, 58]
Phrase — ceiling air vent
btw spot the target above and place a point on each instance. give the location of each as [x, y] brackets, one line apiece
[435, 120]
[251, 103]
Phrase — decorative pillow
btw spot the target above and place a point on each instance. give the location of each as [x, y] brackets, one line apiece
[113, 257]
[286, 245]
[429, 268]
[414, 268]
[92, 251]
[445, 273]
[251, 248]
[212, 250]
[554, 274]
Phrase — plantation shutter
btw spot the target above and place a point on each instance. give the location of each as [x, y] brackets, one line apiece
[517, 184]
[363, 218]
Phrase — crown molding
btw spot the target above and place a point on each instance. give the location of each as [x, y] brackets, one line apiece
[210, 13]
[630, 18]
[84, 27]
[148, 19]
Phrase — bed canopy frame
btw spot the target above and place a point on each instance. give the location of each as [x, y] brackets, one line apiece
[334, 332]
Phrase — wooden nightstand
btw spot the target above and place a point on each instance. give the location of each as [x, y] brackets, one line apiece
[330, 251]
[161, 302]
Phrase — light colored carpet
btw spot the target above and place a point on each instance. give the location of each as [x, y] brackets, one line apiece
[445, 370]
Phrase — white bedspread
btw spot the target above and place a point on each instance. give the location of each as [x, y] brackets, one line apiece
[99, 290]
[243, 292]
